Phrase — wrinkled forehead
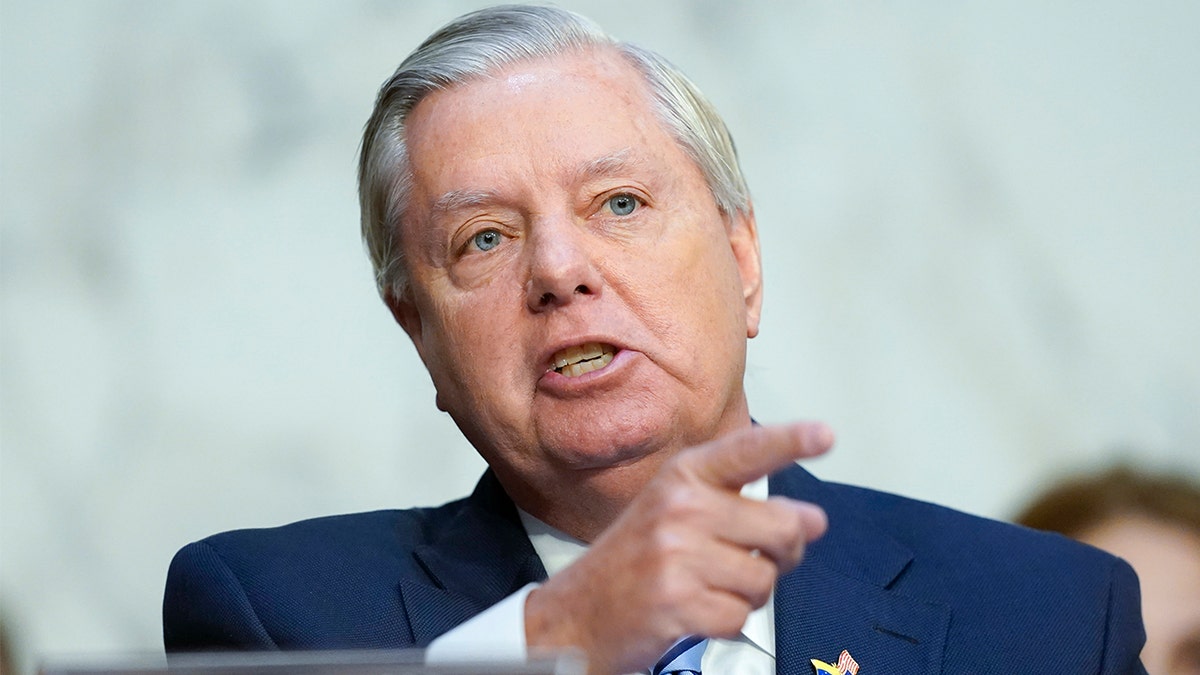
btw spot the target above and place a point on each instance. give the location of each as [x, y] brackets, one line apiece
[564, 72]
[570, 109]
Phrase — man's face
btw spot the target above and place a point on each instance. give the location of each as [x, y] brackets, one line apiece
[580, 302]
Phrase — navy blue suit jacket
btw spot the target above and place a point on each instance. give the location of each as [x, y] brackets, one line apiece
[905, 586]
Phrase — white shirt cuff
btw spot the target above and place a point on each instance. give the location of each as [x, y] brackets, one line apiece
[496, 634]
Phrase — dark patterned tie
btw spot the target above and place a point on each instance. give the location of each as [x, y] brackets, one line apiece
[683, 658]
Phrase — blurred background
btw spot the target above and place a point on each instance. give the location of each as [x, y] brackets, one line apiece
[980, 223]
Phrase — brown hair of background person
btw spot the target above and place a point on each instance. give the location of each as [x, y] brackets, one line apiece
[1079, 504]
[1153, 521]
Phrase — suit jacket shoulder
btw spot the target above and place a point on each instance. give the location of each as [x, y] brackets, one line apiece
[378, 579]
[938, 590]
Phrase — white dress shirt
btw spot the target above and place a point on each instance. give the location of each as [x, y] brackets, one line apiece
[498, 633]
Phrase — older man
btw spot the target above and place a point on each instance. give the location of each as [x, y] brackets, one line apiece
[559, 223]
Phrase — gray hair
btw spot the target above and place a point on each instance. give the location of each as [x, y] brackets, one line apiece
[482, 42]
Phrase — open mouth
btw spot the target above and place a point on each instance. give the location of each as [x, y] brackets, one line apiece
[575, 361]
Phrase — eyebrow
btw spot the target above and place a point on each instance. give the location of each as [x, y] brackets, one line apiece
[606, 165]
[461, 199]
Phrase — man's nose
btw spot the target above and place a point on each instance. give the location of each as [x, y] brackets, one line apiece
[561, 266]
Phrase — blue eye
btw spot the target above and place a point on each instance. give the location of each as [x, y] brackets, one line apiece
[622, 204]
[486, 240]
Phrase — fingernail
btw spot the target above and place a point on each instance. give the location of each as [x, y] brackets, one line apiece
[820, 436]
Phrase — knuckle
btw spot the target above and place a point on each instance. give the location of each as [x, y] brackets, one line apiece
[789, 526]
[793, 531]
[681, 503]
[672, 595]
[666, 546]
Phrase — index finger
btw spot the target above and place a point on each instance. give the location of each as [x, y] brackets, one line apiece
[745, 456]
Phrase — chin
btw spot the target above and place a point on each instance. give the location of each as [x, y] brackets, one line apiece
[590, 458]
[602, 444]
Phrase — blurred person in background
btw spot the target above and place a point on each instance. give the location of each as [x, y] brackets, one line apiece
[1153, 522]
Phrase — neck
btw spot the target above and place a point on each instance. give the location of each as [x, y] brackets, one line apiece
[585, 502]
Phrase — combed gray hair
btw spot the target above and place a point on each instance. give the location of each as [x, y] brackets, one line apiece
[482, 42]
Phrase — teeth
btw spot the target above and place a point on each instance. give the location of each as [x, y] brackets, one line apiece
[575, 361]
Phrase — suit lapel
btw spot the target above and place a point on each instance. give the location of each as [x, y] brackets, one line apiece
[481, 556]
[839, 597]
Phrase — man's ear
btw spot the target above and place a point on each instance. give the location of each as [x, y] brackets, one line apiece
[743, 240]
[405, 312]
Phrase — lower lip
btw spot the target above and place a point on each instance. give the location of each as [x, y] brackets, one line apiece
[556, 382]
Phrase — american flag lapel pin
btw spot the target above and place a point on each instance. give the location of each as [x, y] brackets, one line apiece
[846, 665]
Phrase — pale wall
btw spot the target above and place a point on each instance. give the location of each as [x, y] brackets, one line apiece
[980, 224]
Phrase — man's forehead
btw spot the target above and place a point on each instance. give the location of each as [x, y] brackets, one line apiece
[579, 115]
[567, 71]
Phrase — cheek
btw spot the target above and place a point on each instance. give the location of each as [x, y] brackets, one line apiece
[476, 334]
[688, 293]
[705, 278]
